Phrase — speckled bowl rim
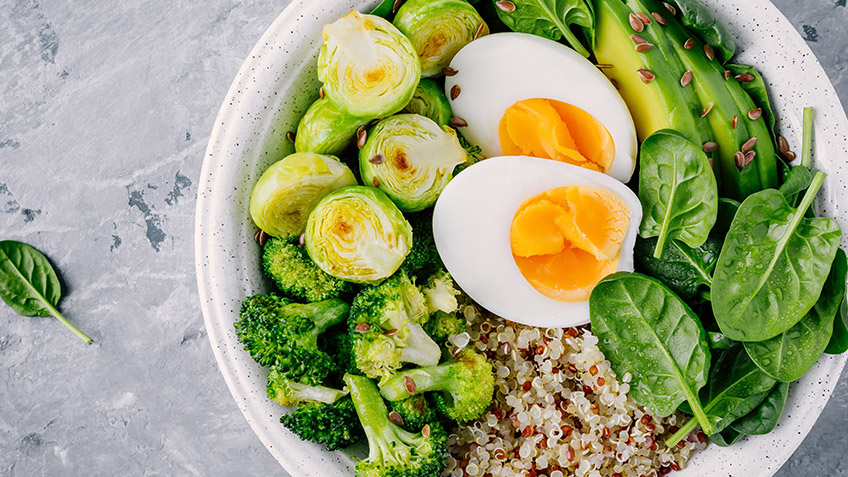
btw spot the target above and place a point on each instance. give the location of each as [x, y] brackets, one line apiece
[247, 137]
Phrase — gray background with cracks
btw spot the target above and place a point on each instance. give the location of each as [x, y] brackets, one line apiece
[105, 110]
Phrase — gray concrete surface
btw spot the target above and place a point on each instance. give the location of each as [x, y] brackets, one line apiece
[105, 110]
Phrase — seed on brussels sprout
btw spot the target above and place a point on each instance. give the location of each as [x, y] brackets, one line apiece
[369, 69]
[417, 159]
[288, 190]
[326, 130]
[358, 234]
[438, 29]
[429, 100]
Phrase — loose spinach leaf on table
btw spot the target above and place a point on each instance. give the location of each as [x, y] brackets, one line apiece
[772, 266]
[551, 19]
[700, 18]
[644, 329]
[682, 268]
[677, 188]
[735, 388]
[765, 417]
[29, 284]
[789, 355]
[839, 340]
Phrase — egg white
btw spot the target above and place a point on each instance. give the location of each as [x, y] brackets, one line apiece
[471, 226]
[496, 71]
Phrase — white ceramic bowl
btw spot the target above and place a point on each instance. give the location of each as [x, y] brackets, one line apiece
[276, 84]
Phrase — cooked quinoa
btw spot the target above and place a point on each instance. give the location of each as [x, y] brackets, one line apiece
[558, 410]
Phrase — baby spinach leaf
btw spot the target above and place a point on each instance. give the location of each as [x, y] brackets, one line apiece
[682, 268]
[385, 9]
[678, 191]
[646, 330]
[700, 18]
[764, 418]
[29, 284]
[773, 264]
[727, 209]
[839, 340]
[736, 387]
[796, 182]
[717, 340]
[551, 19]
[726, 438]
[789, 355]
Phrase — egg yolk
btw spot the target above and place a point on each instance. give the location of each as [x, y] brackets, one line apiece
[552, 129]
[567, 239]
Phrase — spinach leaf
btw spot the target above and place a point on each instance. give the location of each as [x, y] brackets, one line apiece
[551, 19]
[678, 191]
[29, 284]
[795, 183]
[727, 437]
[701, 19]
[789, 355]
[736, 387]
[647, 331]
[839, 340]
[682, 268]
[764, 418]
[385, 9]
[773, 264]
[717, 340]
[727, 209]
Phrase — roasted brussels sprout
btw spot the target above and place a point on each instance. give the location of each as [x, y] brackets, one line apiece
[326, 130]
[369, 69]
[438, 29]
[430, 100]
[358, 234]
[290, 188]
[411, 159]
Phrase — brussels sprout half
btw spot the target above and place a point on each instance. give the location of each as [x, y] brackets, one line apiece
[430, 100]
[411, 159]
[438, 29]
[326, 130]
[369, 69]
[288, 190]
[358, 234]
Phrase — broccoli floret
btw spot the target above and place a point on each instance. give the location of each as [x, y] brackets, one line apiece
[394, 452]
[464, 387]
[440, 293]
[297, 276]
[385, 328]
[415, 412]
[291, 393]
[423, 255]
[337, 343]
[284, 335]
[334, 425]
[442, 325]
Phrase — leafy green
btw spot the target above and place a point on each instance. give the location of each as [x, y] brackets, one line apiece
[839, 340]
[551, 19]
[727, 437]
[701, 19]
[764, 418]
[796, 182]
[719, 341]
[28, 283]
[736, 387]
[385, 9]
[789, 355]
[647, 331]
[772, 266]
[807, 147]
[682, 268]
[727, 209]
[678, 190]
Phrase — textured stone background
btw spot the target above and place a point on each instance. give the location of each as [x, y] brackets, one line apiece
[105, 110]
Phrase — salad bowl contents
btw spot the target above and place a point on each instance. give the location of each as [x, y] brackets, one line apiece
[485, 254]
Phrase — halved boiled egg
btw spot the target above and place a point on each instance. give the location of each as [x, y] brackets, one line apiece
[529, 238]
[525, 95]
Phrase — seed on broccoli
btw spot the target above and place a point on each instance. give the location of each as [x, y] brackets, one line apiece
[414, 412]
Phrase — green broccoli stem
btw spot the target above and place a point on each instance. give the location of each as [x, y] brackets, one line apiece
[383, 435]
[420, 349]
[321, 315]
[428, 378]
